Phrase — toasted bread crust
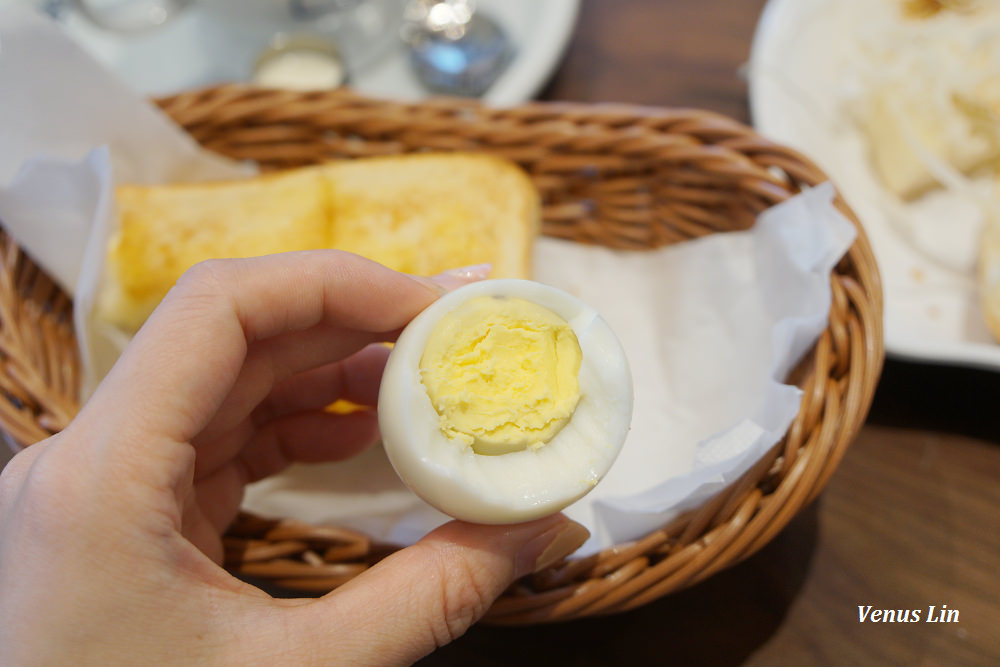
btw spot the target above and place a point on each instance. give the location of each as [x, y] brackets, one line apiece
[422, 213]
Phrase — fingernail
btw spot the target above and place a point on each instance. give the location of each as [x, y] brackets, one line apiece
[449, 280]
[550, 547]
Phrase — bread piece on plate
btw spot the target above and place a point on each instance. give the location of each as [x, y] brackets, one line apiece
[989, 276]
[905, 130]
[422, 214]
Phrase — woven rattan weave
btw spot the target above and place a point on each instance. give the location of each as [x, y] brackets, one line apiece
[624, 177]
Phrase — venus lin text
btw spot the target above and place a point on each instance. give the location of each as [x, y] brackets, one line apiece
[934, 615]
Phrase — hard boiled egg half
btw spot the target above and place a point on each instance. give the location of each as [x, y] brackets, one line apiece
[505, 401]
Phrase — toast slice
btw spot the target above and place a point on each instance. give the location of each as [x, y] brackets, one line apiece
[420, 214]
[427, 213]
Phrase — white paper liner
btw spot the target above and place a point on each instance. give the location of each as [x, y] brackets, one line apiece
[710, 326]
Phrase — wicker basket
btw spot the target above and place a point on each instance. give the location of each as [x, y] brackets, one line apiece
[620, 176]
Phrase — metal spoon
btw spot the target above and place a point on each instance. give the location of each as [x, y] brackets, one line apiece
[453, 49]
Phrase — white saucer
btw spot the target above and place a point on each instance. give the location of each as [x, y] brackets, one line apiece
[926, 250]
[190, 51]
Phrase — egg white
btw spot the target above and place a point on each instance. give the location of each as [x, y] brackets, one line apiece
[518, 486]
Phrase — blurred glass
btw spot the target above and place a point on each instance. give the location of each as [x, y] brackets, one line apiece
[162, 46]
[130, 15]
[360, 29]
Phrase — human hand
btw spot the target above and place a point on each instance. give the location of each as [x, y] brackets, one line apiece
[110, 530]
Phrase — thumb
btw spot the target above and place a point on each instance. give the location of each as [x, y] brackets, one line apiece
[427, 595]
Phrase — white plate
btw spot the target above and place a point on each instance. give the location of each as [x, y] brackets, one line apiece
[925, 251]
[191, 51]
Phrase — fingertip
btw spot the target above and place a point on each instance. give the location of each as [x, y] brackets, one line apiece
[446, 281]
[550, 547]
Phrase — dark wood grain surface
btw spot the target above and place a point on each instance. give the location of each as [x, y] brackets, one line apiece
[910, 520]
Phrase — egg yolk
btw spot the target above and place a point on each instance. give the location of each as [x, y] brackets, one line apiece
[501, 372]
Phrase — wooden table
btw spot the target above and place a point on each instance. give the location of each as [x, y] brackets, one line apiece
[910, 520]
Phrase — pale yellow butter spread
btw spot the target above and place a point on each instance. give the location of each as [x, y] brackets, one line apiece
[501, 373]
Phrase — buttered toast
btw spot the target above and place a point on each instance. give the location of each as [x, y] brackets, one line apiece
[420, 214]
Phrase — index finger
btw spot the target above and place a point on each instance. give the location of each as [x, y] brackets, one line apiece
[179, 368]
